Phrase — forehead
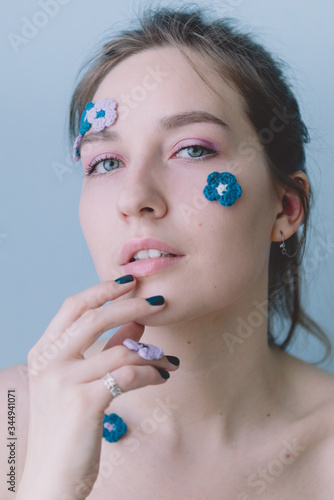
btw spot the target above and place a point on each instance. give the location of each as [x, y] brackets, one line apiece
[161, 81]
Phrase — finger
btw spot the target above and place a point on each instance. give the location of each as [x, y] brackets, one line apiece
[110, 360]
[131, 330]
[89, 327]
[128, 378]
[74, 306]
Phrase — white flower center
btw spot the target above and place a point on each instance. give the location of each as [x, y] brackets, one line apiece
[221, 188]
[110, 427]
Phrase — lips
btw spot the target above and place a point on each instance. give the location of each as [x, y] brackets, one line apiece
[136, 245]
[150, 265]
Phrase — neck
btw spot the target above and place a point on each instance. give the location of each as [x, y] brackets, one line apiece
[229, 378]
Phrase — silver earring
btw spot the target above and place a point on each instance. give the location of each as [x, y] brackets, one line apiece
[283, 245]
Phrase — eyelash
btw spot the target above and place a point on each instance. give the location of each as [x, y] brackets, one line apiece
[210, 151]
[100, 159]
[91, 167]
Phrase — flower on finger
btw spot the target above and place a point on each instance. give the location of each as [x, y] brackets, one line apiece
[222, 186]
[145, 351]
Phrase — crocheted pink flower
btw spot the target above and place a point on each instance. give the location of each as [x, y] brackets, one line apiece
[102, 115]
[76, 145]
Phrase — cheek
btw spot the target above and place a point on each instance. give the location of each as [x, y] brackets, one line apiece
[96, 222]
[95, 209]
[235, 242]
[88, 210]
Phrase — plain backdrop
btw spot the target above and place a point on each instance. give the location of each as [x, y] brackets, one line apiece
[43, 254]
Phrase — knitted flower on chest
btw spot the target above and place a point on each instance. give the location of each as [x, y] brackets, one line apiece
[113, 428]
[222, 186]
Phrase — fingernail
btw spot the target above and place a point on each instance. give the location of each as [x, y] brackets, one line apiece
[157, 300]
[174, 360]
[124, 279]
[165, 375]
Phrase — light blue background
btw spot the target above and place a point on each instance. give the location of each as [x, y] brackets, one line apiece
[44, 257]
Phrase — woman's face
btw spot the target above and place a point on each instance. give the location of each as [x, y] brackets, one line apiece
[151, 168]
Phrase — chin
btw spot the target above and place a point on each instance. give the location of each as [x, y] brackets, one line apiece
[174, 313]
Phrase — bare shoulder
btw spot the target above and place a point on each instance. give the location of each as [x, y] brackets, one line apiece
[14, 427]
[312, 402]
[322, 427]
[309, 392]
[311, 387]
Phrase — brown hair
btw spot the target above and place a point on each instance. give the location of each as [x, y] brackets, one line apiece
[259, 78]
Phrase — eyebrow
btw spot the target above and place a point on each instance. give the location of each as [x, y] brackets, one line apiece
[166, 123]
[179, 120]
[102, 135]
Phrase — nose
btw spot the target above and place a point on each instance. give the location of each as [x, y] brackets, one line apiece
[142, 192]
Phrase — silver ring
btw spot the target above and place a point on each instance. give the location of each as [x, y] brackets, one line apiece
[112, 385]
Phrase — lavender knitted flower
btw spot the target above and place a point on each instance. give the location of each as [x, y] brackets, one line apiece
[145, 351]
[100, 115]
[76, 145]
[103, 114]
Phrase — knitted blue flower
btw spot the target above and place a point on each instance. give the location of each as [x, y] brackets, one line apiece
[113, 428]
[84, 123]
[222, 186]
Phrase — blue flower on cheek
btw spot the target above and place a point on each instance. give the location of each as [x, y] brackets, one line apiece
[222, 186]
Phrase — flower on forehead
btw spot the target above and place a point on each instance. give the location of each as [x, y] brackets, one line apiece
[100, 115]
[222, 186]
[76, 145]
[84, 123]
[145, 351]
[113, 428]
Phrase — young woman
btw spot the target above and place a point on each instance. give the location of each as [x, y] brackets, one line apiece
[195, 187]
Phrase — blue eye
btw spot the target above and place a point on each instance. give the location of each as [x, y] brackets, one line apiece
[195, 151]
[103, 165]
[109, 164]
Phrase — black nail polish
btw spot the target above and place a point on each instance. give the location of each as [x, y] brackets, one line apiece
[165, 375]
[124, 279]
[174, 360]
[157, 300]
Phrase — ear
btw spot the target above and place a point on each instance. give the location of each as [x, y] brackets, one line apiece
[291, 213]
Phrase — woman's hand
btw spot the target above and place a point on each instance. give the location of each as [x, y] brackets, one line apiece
[67, 396]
